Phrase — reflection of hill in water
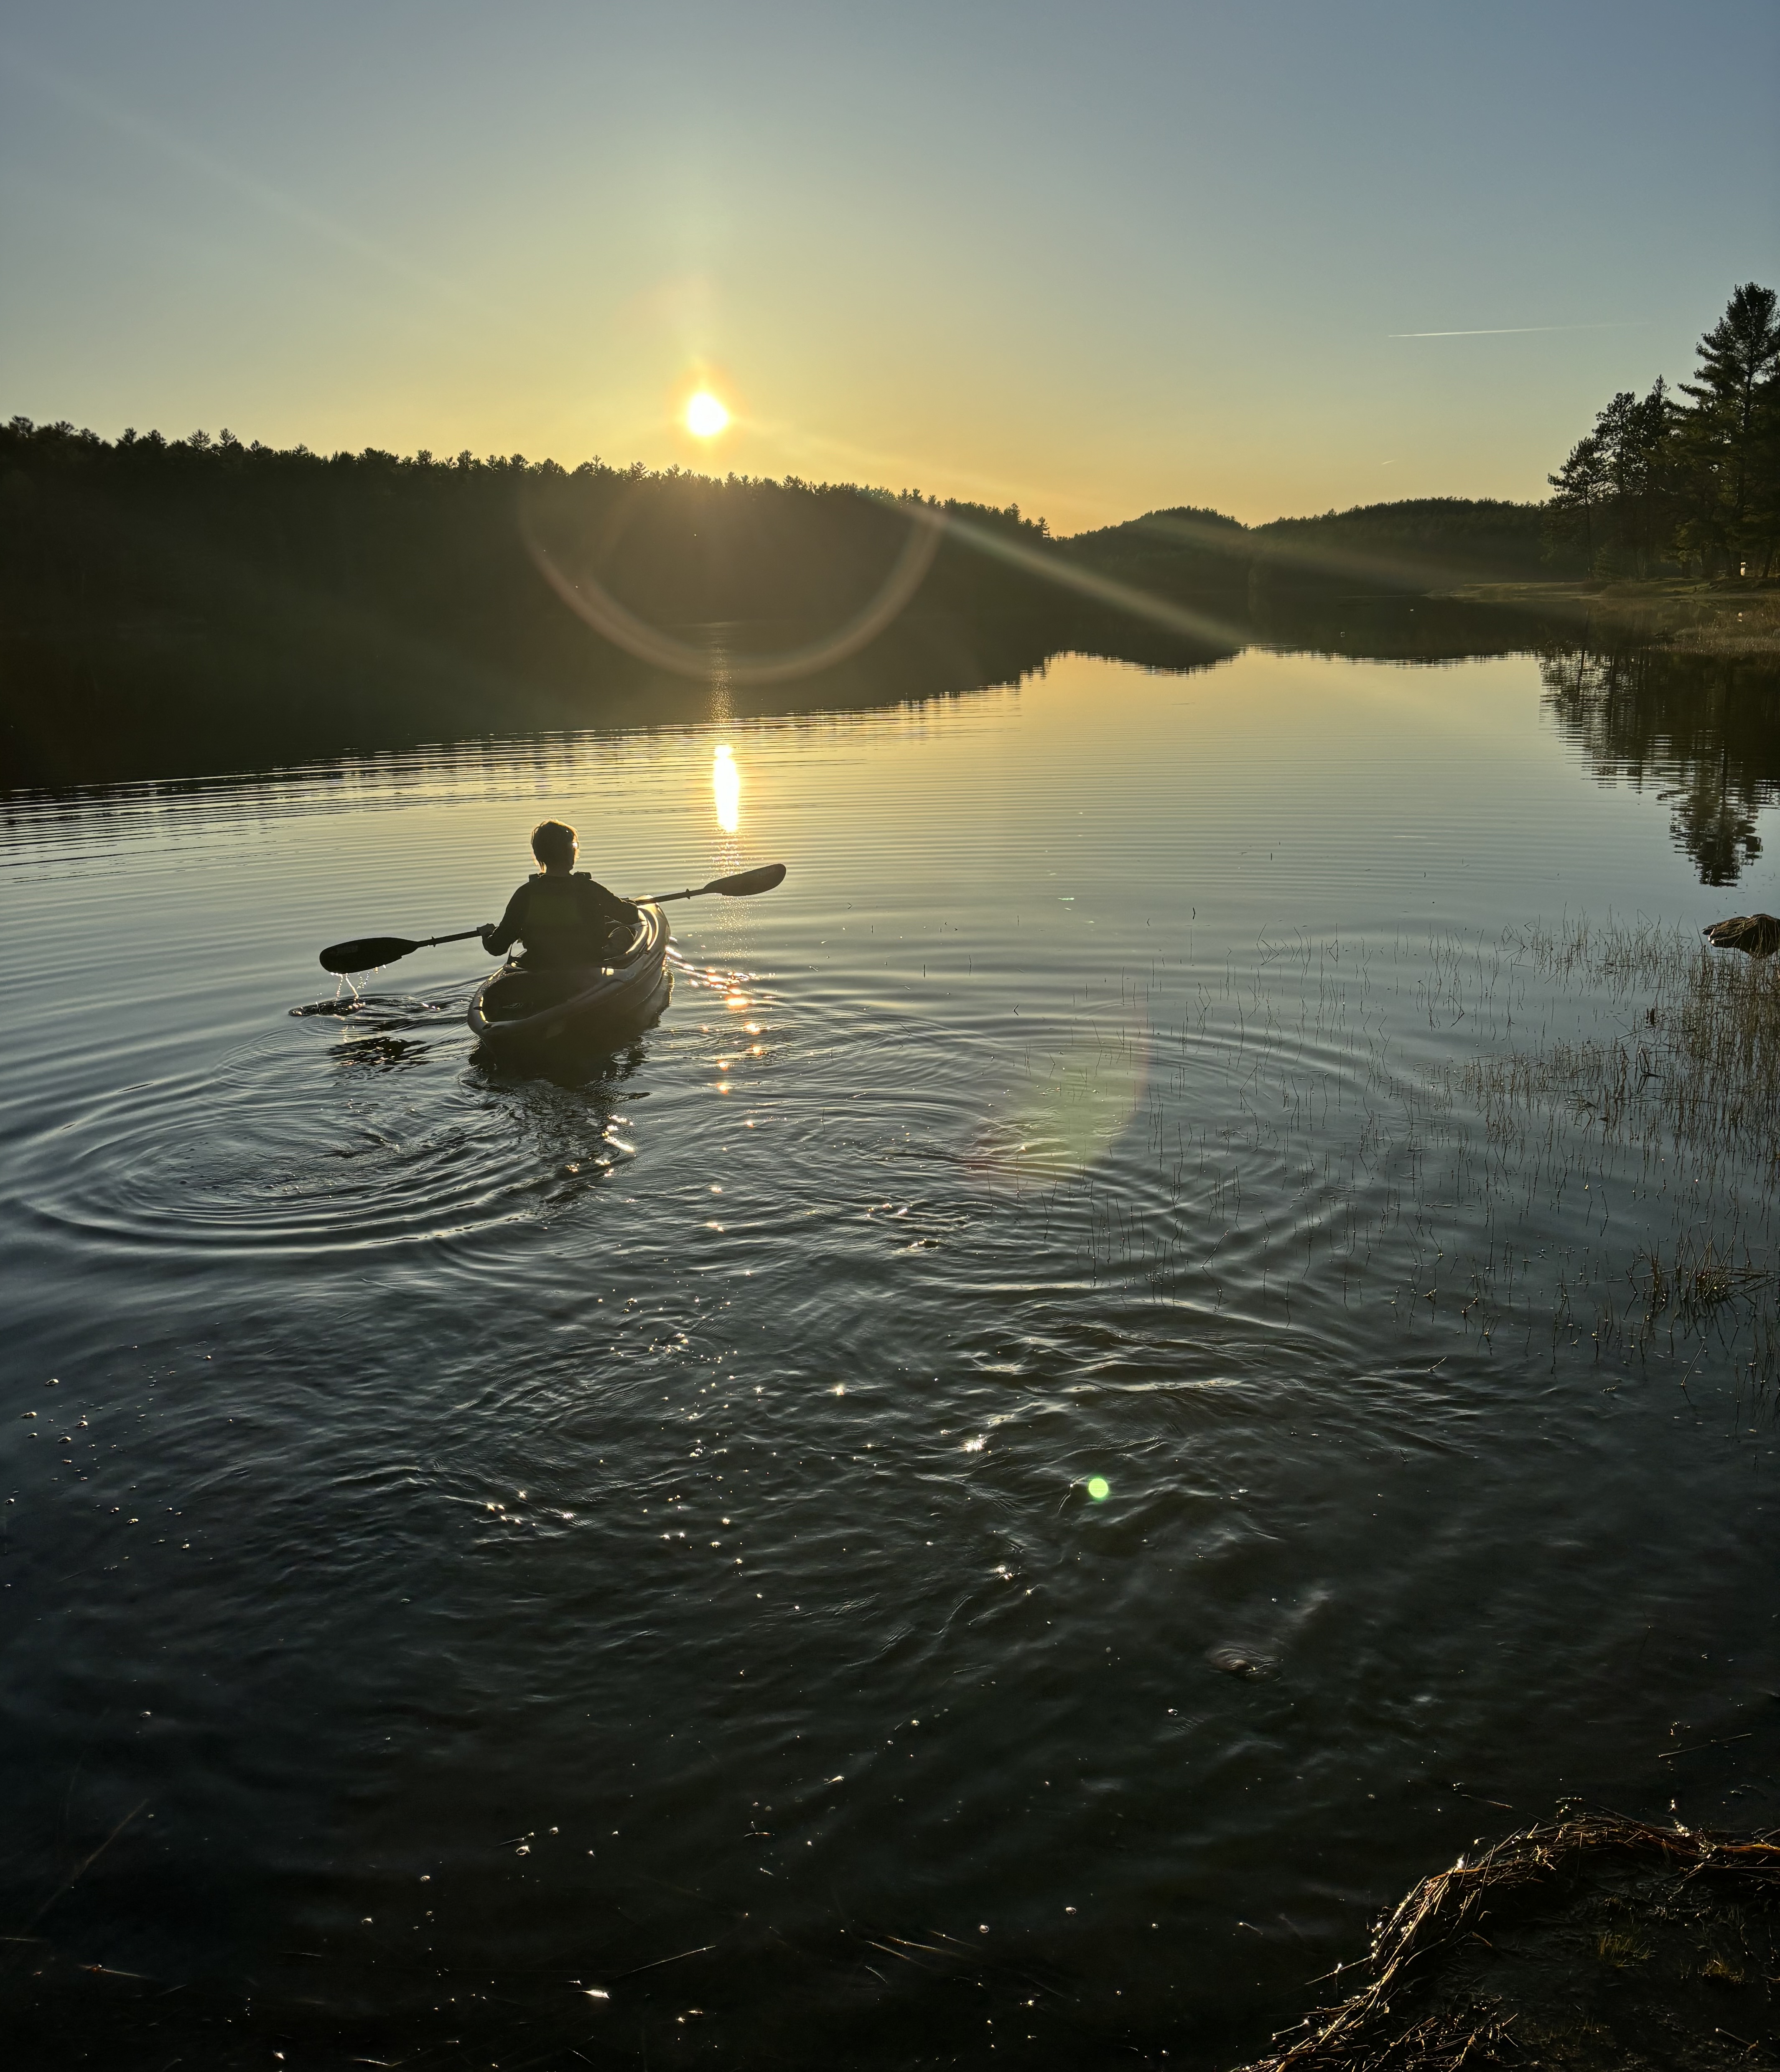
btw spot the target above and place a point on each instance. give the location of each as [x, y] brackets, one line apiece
[1705, 728]
[1388, 629]
[167, 701]
[159, 699]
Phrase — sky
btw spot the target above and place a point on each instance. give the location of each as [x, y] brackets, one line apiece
[1269, 257]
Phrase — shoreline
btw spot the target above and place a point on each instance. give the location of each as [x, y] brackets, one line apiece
[1678, 616]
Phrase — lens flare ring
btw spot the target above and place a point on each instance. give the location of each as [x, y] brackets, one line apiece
[590, 600]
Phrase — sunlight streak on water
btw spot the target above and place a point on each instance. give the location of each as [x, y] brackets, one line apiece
[726, 789]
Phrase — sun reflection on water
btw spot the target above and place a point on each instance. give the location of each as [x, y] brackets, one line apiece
[726, 789]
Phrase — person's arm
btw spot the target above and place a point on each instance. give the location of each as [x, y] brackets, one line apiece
[497, 941]
[606, 907]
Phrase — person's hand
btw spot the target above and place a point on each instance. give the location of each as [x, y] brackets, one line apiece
[488, 930]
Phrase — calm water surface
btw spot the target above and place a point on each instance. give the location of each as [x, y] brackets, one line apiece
[498, 1569]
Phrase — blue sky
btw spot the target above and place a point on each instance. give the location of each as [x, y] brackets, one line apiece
[1093, 260]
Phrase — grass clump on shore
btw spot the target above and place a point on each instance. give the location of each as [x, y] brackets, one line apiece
[1683, 616]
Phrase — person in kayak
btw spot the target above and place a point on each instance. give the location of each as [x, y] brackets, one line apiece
[559, 913]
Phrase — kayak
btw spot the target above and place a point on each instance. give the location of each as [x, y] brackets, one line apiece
[522, 1013]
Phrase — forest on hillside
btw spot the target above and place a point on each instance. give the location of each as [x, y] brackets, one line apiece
[103, 539]
[1414, 545]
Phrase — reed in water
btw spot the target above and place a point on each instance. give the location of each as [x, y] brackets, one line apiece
[1595, 1171]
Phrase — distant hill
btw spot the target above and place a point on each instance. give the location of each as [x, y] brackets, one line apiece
[1183, 550]
[1182, 525]
[1423, 543]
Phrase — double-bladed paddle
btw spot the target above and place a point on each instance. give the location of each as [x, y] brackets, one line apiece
[367, 951]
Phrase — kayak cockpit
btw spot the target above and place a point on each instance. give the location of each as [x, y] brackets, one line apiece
[518, 1009]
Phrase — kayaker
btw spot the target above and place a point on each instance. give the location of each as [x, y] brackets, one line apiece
[560, 914]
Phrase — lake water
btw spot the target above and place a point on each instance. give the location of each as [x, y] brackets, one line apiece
[496, 1568]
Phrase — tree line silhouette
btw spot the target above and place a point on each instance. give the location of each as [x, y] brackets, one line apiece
[149, 532]
[1690, 485]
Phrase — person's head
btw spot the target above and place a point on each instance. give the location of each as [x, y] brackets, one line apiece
[553, 845]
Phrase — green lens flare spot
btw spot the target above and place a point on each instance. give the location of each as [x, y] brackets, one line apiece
[1098, 1488]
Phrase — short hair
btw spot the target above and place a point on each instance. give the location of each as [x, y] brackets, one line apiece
[553, 841]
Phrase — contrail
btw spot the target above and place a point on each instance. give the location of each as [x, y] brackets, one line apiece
[1513, 331]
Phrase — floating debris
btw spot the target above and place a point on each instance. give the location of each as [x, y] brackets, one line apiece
[1242, 1662]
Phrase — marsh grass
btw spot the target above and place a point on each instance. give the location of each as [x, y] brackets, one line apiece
[1696, 1066]
[1676, 1106]
[1566, 1138]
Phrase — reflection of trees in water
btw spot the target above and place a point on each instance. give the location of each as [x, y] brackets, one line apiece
[1705, 728]
[1396, 629]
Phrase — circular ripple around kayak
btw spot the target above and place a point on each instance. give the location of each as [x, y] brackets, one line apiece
[366, 1137]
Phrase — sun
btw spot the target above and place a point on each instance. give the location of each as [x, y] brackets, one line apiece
[705, 416]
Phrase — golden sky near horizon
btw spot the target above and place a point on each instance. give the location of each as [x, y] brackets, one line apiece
[1272, 259]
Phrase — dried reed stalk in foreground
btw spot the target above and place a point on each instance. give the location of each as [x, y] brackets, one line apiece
[1591, 1941]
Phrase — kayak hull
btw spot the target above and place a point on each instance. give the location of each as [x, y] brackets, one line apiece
[520, 1014]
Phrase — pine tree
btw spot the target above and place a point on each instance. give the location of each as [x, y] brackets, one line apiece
[1579, 489]
[1733, 434]
[1619, 486]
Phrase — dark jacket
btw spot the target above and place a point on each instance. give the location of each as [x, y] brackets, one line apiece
[561, 920]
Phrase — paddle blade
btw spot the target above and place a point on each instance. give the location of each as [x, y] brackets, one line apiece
[746, 882]
[366, 953]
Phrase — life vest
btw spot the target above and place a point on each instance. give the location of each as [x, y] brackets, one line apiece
[561, 926]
